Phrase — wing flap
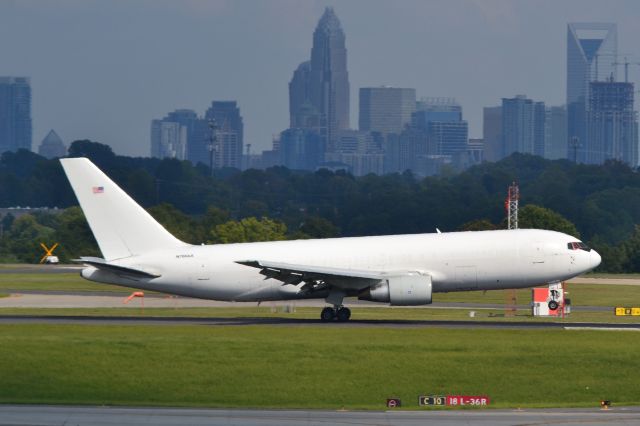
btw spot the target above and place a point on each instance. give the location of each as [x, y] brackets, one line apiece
[295, 274]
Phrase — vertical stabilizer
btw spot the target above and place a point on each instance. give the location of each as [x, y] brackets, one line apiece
[120, 226]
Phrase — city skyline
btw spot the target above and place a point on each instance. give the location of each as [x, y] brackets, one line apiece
[103, 77]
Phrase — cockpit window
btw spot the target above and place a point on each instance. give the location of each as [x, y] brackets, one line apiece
[578, 246]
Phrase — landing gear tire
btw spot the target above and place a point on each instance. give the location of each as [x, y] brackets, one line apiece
[343, 314]
[553, 305]
[327, 314]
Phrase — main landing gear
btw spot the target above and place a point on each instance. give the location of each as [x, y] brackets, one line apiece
[339, 313]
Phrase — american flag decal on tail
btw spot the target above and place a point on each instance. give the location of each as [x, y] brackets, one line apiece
[98, 189]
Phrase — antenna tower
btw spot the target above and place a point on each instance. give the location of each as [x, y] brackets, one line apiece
[513, 195]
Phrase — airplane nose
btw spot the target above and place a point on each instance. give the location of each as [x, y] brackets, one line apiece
[595, 259]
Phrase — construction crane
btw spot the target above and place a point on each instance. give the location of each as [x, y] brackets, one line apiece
[626, 64]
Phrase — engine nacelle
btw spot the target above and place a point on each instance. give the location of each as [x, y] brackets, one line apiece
[401, 290]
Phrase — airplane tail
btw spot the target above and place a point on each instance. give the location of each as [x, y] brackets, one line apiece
[120, 226]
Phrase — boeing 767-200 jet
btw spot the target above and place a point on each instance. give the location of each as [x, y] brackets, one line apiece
[401, 270]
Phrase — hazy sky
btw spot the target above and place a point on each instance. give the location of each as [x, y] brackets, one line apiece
[102, 70]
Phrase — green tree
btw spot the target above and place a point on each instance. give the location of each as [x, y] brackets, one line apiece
[247, 230]
[74, 235]
[532, 216]
[614, 257]
[100, 154]
[316, 227]
[631, 262]
[24, 239]
[478, 225]
[177, 223]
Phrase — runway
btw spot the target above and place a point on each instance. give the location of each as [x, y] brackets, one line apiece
[75, 299]
[62, 416]
[300, 322]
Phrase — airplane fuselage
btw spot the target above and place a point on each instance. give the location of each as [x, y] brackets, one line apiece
[455, 261]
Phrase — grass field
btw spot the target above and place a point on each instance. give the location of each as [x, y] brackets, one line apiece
[358, 314]
[316, 366]
[53, 282]
[313, 367]
[580, 295]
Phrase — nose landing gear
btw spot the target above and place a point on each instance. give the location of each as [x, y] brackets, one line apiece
[339, 313]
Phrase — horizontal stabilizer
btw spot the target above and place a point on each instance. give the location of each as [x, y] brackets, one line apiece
[96, 262]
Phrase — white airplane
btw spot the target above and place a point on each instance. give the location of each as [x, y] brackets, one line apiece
[401, 270]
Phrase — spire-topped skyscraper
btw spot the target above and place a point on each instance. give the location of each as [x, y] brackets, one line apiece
[592, 49]
[321, 86]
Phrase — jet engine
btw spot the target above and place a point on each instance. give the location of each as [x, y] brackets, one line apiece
[401, 290]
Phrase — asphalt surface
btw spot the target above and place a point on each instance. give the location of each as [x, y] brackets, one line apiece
[69, 299]
[239, 321]
[106, 299]
[98, 416]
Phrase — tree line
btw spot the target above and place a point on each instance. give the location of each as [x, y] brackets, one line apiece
[599, 204]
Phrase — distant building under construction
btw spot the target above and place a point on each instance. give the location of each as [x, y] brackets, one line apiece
[612, 125]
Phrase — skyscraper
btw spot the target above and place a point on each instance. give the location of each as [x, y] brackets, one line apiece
[168, 139]
[436, 136]
[15, 113]
[300, 149]
[523, 126]
[181, 134]
[611, 123]
[492, 133]
[386, 109]
[319, 89]
[555, 145]
[591, 51]
[301, 113]
[539, 128]
[360, 151]
[229, 133]
[441, 118]
[52, 146]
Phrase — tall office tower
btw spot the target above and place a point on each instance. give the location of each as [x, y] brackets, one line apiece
[441, 118]
[437, 135]
[197, 134]
[611, 123]
[555, 144]
[386, 109]
[15, 114]
[52, 146]
[179, 135]
[476, 151]
[229, 133]
[539, 128]
[492, 133]
[591, 51]
[302, 113]
[300, 149]
[168, 139]
[319, 90]
[413, 143]
[522, 125]
[360, 151]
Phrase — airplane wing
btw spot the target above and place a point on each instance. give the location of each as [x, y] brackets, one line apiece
[117, 269]
[316, 277]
